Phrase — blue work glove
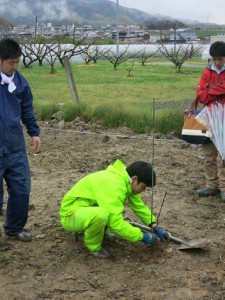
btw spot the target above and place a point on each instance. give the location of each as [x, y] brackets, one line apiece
[149, 238]
[162, 234]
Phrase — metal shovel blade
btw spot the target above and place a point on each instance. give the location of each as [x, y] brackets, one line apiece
[192, 244]
[195, 244]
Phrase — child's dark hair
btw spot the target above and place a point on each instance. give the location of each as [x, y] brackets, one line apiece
[217, 49]
[143, 171]
[9, 48]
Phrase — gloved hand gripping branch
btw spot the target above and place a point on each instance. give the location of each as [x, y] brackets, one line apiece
[162, 234]
[149, 238]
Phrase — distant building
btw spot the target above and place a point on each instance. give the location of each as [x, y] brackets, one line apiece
[213, 39]
[154, 38]
[122, 34]
[25, 35]
[10, 35]
[87, 28]
[216, 38]
[183, 34]
[19, 28]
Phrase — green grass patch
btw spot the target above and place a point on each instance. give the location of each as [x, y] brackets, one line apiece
[112, 96]
[5, 258]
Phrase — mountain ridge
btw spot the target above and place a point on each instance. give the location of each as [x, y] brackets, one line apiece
[79, 12]
[60, 12]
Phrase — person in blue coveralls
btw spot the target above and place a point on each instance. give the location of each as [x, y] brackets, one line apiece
[16, 110]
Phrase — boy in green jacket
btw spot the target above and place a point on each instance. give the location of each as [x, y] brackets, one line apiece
[96, 202]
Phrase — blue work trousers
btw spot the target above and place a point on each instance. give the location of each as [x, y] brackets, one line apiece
[14, 169]
[1, 196]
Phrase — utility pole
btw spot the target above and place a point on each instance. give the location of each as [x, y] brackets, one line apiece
[36, 25]
[117, 27]
[74, 30]
[175, 39]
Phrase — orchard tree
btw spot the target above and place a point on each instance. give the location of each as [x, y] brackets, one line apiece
[34, 50]
[51, 58]
[178, 54]
[129, 65]
[28, 57]
[118, 58]
[144, 55]
[61, 50]
[92, 54]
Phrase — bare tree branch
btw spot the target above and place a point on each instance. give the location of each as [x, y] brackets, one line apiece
[178, 54]
[146, 55]
[92, 54]
[61, 50]
[117, 59]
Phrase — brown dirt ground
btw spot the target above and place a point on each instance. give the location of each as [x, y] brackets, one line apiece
[56, 265]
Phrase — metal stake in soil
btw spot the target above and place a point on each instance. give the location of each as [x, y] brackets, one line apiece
[153, 151]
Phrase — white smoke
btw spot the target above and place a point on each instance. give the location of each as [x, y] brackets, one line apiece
[19, 8]
[57, 9]
[54, 9]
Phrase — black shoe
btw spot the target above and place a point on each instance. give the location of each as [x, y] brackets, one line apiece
[22, 236]
[102, 253]
[207, 192]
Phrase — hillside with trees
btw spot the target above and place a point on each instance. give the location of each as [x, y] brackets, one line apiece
[4, 23]
[69, 11]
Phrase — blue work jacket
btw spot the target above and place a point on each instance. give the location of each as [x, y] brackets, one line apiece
[14, 108]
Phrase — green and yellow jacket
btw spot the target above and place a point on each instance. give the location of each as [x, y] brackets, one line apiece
[110, 189]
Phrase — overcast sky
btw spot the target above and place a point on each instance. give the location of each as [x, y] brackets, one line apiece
[200, 10]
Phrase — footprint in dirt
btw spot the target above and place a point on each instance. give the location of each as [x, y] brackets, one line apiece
[4, 246]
